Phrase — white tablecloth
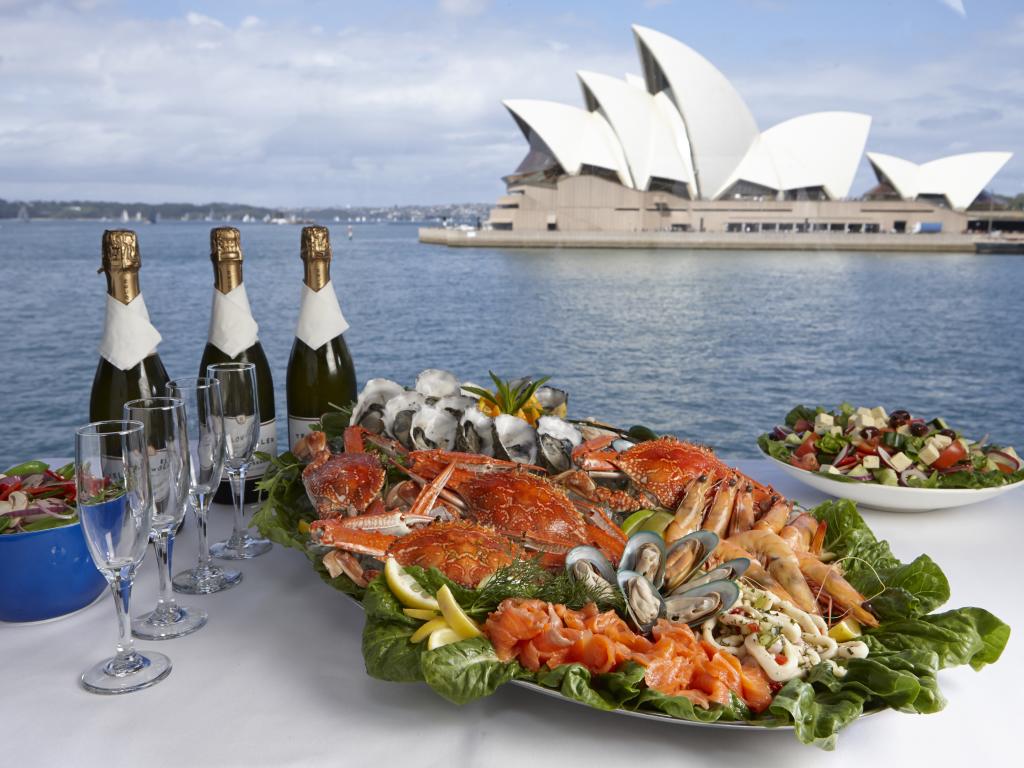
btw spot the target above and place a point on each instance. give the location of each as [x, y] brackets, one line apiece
[276, 678]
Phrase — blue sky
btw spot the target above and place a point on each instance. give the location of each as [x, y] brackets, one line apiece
[333, 103]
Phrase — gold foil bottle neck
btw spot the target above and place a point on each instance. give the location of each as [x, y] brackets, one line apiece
[120, 263]
[316, 256]
[226, 255]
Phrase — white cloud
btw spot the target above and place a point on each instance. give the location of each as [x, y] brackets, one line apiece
[956, 6]
[464, 7]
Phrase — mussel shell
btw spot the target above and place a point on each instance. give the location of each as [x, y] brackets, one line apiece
[432, 428]
[636, 542]
[369, 410]
[730, 570]
[476, 433]
[694, 606]
[703, 544]
[516, 439]
[595, 557]
[434, 384]
[631, 582]
[398, 415]
[557, 439]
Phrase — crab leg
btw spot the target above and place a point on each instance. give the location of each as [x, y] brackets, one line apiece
[588, 454]
[338, 562]
[335, 533]
[428, 496]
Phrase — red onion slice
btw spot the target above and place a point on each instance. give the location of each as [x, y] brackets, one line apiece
[1002, 457]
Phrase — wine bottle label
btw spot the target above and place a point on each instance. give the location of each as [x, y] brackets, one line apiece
[267, 445]
[232, 328]
[320, 318]
[128, 336]
[298, 428]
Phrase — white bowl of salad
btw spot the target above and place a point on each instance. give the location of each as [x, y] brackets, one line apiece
[892, 461]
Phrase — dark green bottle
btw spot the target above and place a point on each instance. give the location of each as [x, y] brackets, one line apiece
[322, 377]
[226, 255]
[112, 386]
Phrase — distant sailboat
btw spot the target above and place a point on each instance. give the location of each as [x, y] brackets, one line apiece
[124, 214]
[23, 213]
[349, 231]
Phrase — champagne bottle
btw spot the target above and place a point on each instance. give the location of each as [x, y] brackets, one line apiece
[320, 371]
[233, 339]
[129, 366]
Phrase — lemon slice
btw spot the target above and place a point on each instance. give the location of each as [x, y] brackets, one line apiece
[303, 526]
[442, 636]
[406, 588]
[657, 522]
[847, 629]
[427, 629]
[455, 616]
[424, 614]
[632, 523]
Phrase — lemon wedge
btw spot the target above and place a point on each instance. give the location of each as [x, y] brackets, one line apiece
[632, 523]
[406, 588]
[657, 522]
[427, 629]
[424, 614]
[847, 629]
[303, 526]
[455, 616]
[442, 636]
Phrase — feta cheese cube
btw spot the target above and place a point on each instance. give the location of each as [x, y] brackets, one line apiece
[862, 420]
[837, 431]
[879, 414]
[928, 454]
[903, 429]
[862, 411]
[823, 422]
[941, 441]
[828, 469]
[870, 462]
[900, 461]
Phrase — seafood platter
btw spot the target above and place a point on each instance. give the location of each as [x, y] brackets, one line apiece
[492, 539]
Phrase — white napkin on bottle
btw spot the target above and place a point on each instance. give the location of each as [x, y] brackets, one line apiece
[320, 318]
[128, 336]
[232, 329]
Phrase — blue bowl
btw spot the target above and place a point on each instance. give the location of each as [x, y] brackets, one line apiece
[46, 574]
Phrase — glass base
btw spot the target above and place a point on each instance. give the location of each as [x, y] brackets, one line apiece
[243, 547]
[133, 673]
[205, 581]
[177, 622]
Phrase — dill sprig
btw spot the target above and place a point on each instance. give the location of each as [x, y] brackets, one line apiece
[528, 579]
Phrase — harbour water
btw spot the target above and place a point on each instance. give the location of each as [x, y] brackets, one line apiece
[713, 346]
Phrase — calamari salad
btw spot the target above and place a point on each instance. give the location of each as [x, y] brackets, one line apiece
[869, 445]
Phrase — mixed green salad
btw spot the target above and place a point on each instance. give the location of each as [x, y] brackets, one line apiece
[869, 445]
[907, 650]
[34, 497]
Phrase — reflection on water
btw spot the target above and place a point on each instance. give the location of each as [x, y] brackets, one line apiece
[711, 345]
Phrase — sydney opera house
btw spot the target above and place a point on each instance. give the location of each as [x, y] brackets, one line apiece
[678, 150]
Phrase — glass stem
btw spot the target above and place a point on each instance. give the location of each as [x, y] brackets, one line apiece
[202, 503]
[238, 496]
[163, 547]
[121, 587]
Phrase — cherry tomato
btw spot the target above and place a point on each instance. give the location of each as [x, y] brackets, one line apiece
[950, 455]
[803, 425]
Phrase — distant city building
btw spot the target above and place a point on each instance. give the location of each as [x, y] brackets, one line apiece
[678, 149]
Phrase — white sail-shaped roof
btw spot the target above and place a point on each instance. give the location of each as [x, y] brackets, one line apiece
[718, 123]
[822, 149]
[575, 136]
[961, 178]
[655, 145]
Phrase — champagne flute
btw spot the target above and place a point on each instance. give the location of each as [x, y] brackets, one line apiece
[204, 421]
[242, 434]
[114, 506]
[163, 420]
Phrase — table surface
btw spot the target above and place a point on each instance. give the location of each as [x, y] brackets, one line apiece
[276, 678]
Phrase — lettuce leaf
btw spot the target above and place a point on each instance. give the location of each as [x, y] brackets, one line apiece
[963, 636]
[466, 670]
[817, 716]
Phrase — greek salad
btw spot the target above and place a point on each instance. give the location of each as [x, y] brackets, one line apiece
[870, 445]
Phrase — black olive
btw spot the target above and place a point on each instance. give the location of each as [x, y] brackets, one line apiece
[869, 432]
[948, 433]
[898, 418]
[919, 429]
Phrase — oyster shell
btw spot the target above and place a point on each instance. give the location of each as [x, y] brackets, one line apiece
[552, 400]
[434, 384]
[398, 413]
[432, 428]
[557, 439]
[476, 433]
[516, 439]
[369, 410]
